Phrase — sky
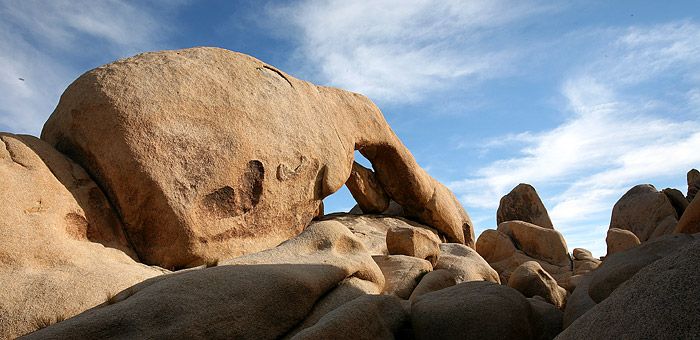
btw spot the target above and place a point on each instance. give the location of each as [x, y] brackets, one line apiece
[581, 99]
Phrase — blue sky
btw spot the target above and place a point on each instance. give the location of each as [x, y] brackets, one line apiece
[581, 99]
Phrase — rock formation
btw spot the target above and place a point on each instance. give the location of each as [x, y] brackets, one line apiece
[693, 184]
[366, 190]
[620, 240]
[645, 211]
[523, 204]
[207, 153]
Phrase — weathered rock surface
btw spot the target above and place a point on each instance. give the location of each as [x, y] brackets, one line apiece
[465, 263]
[402, 273]
[62, 250]
[619, 267]
[366, 190]
[192, 147]
[620, 240]
[538, 242]
[693, 184]
[523, 204]
[475, 310]
[434, 281]
[690, 221]
[659, 302]
[368, 317]
[645, 211]
[579, 302]
[679, 202]
[372, 230]
[413, 241]
[531, 280]
[584, 261]
[495, 246]
[262, 295]
[547, 318]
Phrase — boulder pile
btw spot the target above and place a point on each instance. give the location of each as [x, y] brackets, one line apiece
[179, 194]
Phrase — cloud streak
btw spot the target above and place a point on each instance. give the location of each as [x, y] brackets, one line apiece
[398, 51]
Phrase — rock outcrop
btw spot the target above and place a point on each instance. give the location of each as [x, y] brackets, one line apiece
[619, 240]
[434, 281]
[402, 273]
[523, 204]
[366, 190]
[413, 241]
[645, 211]
[690, 221]
[531, 280]
[465, 263]
[693, 184]
[207, 153]
[584, 261]
[62, 250]
[658, 302]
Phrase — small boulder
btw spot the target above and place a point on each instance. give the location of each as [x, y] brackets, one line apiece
[538, 242]
[523, 204]
[679, 202]
[690, 221]
[368, 317]
[584, 261]
[693, 184]
[366, 190]
[620, 240]
[402, 273]
[412, 241]
[465, 263]
[474, 310]
[531, 280]
[433, 281]
[642, 210]
[494, 246]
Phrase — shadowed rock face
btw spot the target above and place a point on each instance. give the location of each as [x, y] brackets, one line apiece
[207, 153]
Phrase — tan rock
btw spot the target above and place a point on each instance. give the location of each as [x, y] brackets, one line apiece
[434, 281]
[368, 317]
[530, 280]
[679, 202]
[523, 204]
[367, 191]
[413, 241]
[61, 246]
[465, 263]
[642, 210]
[372, 230]
[207, 153]
[540, 243]
[584, 261]
[475, 310]
[690, 221]
[402, 273]
[693, 184]
[494, 246]
[505, 268]
[257, 296]
[620, 240]
[579, 302]
[659, 302]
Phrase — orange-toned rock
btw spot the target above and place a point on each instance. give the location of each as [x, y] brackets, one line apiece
[531, 280]
[523, 204]
[693, 184]
[645, 211]
[690, 221]
[412, 241]
[366, 190]
[495, 246]
[620, 240]
[465, 263]
[207, 153]
[62, 250]
[538, 242]
[402, 273]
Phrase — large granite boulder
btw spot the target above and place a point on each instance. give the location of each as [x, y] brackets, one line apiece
[475, 310]
[620, 240]
[62, 250]
[538, 242]
[658, 302]
[366, 190]
[264, 295]
[690, 221]
[465, 263]
[531, 280]
[210, 154]
[693, 184]
[645, 211]
[413, 241]
[523, 204]
[401, 273]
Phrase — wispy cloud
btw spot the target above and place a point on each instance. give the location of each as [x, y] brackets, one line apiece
[398, 50]
[39, 38]
[621, 132]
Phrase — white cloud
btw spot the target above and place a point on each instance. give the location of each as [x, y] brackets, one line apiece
[397, 50]
[618, 134]
[40, 39]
